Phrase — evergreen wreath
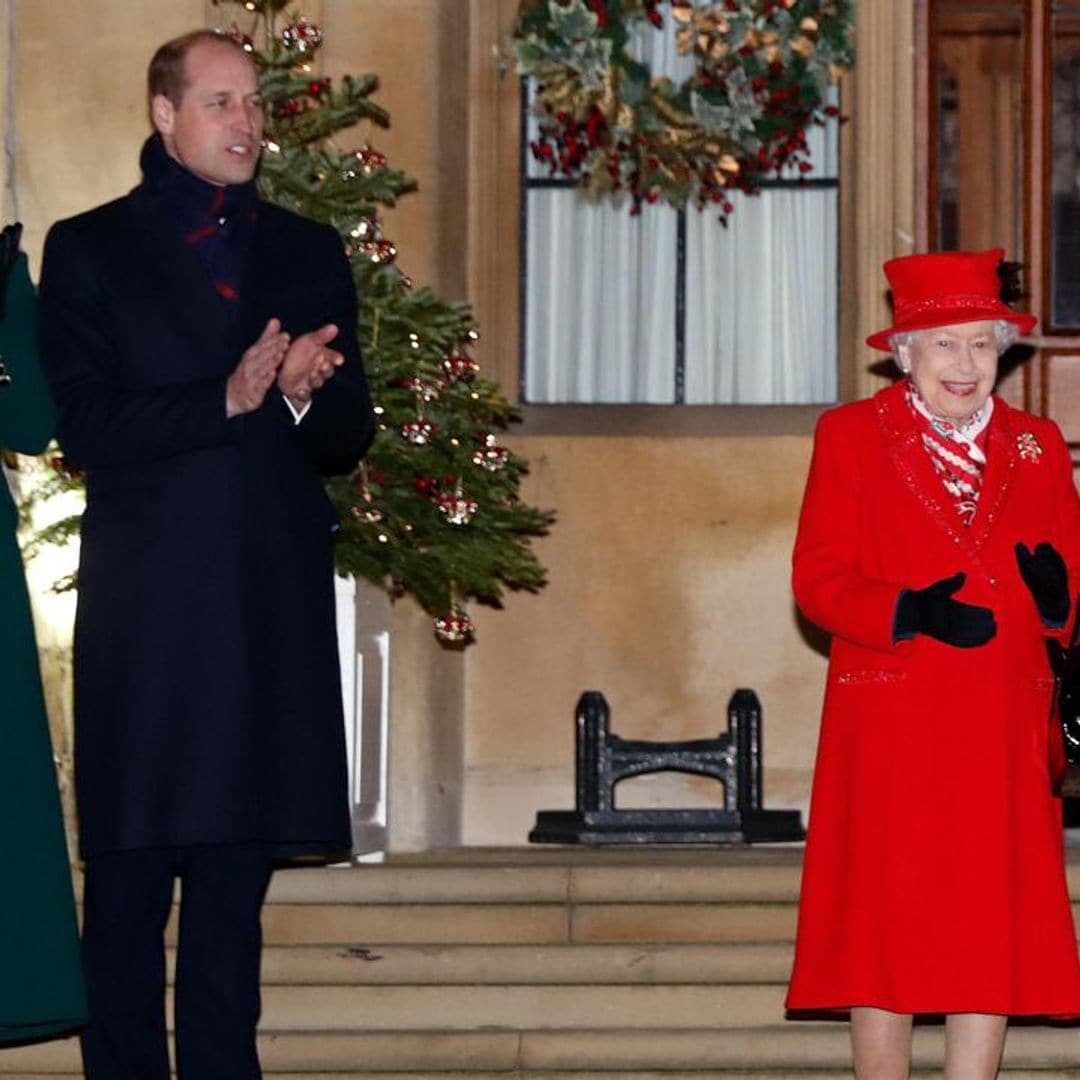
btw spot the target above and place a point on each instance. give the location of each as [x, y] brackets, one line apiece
[761, 74]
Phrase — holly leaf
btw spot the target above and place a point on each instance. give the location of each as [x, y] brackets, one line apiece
[634, 85]
[573, 22]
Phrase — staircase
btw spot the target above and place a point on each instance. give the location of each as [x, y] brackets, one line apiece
[551, 964]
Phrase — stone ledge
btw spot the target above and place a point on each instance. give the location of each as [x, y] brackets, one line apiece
[790, 1050]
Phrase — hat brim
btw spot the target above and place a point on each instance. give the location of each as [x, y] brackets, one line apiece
[943, 317]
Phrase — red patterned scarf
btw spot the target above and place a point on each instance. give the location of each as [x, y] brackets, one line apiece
[958, 454]
[216, 222]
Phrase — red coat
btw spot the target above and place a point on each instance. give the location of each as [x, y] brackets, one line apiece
[934, 876]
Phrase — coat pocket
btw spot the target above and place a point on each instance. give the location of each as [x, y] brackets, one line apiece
[870, 677]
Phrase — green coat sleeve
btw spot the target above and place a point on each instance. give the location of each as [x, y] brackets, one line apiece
[27, 416]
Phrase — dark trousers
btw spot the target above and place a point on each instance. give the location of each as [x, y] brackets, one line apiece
[128, 895]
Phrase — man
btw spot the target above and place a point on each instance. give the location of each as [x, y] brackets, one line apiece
[201, 347]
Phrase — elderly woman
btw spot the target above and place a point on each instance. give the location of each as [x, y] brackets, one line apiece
[935, 544]
[41, 990]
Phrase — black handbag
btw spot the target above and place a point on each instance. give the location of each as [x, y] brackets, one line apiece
[1065, 714]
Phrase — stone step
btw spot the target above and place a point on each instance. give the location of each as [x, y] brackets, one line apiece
[420, 965]
[651, 1074]
[599, 923]
[469, 1008]
[596, 877]
[389, 883]
[791, 1050]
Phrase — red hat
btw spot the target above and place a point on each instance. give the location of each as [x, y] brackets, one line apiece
[944, 288]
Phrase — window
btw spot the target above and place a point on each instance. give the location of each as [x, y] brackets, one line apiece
[669, 307]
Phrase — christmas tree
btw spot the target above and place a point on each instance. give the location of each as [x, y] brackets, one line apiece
[434, 511]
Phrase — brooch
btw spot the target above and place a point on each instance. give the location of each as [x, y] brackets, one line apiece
[1029, 447]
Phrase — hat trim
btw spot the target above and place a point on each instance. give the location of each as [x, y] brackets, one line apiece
[960, 302]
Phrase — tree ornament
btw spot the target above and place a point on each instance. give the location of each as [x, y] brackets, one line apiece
[382, 252]
[367, 228]
[288, 108]
[425, 392]
[761, 72]
[418, 432]
[243, 40]
[369, 514]
[365, 510]
[454, 628]
[367, 160]
[491, 457]
[302, 36]
[458, 508]
[460, 368]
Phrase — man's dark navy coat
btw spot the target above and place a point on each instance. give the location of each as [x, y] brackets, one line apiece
[208, 700]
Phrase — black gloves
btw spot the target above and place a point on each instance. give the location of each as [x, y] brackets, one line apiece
[1047, 579]
[9, 251]
[933, 611]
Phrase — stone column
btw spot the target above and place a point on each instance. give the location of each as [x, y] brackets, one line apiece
[419, 50]
[880, 163]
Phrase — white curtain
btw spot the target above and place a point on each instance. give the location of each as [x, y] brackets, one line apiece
[600, 308]
[760, 315]
[761, 301]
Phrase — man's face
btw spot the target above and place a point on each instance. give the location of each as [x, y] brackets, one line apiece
[216, 130]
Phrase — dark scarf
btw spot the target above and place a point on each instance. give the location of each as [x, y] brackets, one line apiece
[216, 222]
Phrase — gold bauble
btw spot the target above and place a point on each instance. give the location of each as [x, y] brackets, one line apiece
[682, 11]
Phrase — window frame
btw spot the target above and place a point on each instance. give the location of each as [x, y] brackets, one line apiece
[531, 183]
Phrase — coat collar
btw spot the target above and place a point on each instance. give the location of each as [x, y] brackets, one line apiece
[913, 465]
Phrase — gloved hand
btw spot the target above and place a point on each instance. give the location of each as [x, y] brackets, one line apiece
[9, 252]
[1045, 574]
[933, 611]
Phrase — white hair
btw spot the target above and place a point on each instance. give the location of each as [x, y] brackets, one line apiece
[1005, 335]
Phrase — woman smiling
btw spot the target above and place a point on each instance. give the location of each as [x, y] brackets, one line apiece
[939, 544]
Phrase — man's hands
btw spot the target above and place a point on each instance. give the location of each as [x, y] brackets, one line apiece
[308, 364]
[298, 367]
[257, 370]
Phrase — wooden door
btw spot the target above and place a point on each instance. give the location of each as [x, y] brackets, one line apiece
[1003, 141]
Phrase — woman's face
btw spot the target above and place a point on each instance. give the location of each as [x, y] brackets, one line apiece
[953, 368]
